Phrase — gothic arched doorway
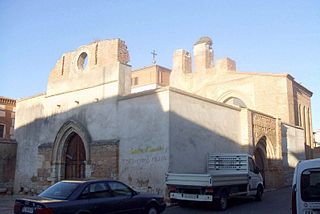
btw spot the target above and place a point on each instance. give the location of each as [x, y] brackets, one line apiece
[75, 158]
[260, 156]
[72, 141]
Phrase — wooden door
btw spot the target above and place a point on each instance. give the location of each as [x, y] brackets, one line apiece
[75, 158]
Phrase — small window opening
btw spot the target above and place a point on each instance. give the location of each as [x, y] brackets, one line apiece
[82, 61]
[135, 81]
[2, 130]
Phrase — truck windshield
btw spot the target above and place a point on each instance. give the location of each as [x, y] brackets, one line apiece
[61, 190]
[310, 185]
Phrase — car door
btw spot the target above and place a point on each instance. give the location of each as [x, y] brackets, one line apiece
[127, 200]
[99, 198]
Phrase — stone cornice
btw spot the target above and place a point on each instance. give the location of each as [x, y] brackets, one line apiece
[7, 101]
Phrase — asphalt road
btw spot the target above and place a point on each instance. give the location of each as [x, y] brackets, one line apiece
[275, 202]
[6, 204]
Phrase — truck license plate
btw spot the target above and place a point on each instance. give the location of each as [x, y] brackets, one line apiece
[27, 210]
[191, 196]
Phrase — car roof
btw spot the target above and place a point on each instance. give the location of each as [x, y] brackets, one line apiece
[87, 181]
[306, 164]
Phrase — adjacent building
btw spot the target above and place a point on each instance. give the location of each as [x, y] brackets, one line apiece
[100, 119]
[7, 144]
[316, 151]
[151, 77]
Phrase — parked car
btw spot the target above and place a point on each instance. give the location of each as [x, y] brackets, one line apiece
[306, 188]
[90, 197]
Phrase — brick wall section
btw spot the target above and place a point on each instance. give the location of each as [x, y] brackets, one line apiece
[7, 116]
[44, 154]
[104, 163]
[7, 166]
[316, 152]
[104, 160]
[8, 147]
[154, 74]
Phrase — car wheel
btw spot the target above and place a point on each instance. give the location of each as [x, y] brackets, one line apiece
[152, 210]
[259, 193]
[223, 201]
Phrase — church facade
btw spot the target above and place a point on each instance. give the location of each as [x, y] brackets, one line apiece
[92, 123]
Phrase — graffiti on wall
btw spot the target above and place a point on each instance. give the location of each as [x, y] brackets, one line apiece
[144, 160]
[147, 149]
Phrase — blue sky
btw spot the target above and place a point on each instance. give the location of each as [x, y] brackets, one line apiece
[262, 36]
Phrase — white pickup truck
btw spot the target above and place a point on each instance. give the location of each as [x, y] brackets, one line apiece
[227, 175]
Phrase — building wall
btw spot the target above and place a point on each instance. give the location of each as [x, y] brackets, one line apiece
[293, 149]
[277, 95]
[90, 65]
[150, 77]
[144, 140]
[199, 127]
[7, 117]
[7, 166]
[8, 147]
[316, 149]
[139, 137]
[302, 114]
[87, 98]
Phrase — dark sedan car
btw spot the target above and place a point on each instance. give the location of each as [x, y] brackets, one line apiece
[90, 197]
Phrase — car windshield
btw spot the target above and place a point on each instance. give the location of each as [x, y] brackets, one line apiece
[61, 190]
[310, 185]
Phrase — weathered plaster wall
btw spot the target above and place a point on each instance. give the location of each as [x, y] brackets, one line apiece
[87, 95]
[44, 121]
[29, 130]
[293, 149]
[198, 127]
[144, 140]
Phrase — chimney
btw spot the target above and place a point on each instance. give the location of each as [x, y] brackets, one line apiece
[181, 66]
[181, 61]
[203, 54]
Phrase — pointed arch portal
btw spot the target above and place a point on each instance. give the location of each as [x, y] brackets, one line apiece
[260, 156]
[75, 158]
[70, 154]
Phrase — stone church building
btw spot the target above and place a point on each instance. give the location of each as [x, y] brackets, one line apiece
[100, 119]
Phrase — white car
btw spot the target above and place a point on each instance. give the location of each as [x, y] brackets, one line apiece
[306, 188]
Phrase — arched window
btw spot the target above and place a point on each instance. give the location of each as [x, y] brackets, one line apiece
[235, 102]
[299, 113]
[82, 61]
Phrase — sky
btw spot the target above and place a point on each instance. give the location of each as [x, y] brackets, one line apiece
[261, 36]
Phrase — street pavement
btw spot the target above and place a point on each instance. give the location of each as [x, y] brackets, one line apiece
[6, 203]
[273, 202]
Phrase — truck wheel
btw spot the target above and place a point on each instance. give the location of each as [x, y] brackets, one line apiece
[259, 193]
[223, 201]
[183, 203]
[152, 210]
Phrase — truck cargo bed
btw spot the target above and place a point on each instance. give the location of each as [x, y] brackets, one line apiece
[222, 170]
[206, 180]
[202, 180]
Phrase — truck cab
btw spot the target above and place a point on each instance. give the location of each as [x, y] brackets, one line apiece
[306, 188]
